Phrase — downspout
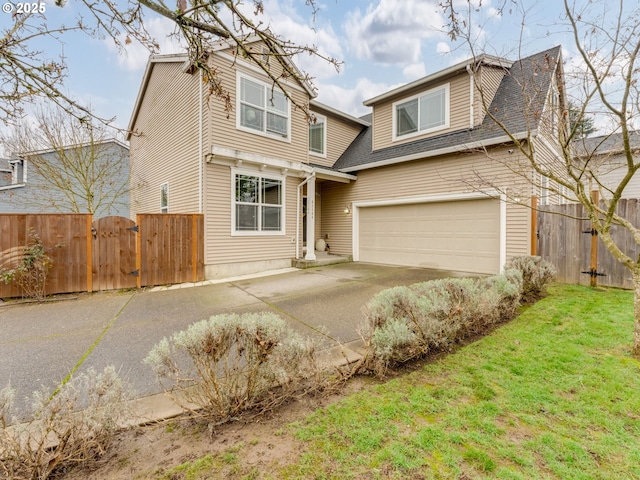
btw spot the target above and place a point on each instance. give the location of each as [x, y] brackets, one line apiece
[299, 193]
[200, 146]
[471, 96]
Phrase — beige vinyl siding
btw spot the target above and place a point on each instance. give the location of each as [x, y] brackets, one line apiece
[340, 133]
[223, 131]
[546, 156]
[164, 146]
[487, 82]
[611, 171]
[224, 248]
[443, 176]
[459, 101]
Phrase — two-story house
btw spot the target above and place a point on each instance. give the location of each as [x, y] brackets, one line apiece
[396, 187]
[43, 182]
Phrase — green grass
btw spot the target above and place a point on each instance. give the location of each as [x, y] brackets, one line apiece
[553, 394]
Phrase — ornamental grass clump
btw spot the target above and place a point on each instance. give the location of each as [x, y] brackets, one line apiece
[229, 363]
[403, 323]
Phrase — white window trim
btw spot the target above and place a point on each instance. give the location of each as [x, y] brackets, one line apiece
[447, 110]
[14, 172]
[164, 209]
[283, 213]
[268, 87]
[324, 139]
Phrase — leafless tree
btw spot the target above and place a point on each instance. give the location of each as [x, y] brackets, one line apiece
[604, 86]
[74, 165]
[28, 73]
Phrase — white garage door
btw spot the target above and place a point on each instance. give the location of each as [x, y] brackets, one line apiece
[454, 235]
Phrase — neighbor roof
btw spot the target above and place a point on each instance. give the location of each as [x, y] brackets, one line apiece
[510, 105]
[605, 144]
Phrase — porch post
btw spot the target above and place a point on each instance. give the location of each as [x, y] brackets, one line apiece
[311, 219]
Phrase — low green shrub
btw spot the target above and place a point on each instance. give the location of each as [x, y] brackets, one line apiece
[407, 322]
[73, 425]
[232, 363]
[536, 274]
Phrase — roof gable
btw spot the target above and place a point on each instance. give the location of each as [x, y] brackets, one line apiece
[517, 104]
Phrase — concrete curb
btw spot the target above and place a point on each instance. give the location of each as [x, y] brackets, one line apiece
[159, 407]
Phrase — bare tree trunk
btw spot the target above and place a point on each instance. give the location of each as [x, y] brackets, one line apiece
[635, 350]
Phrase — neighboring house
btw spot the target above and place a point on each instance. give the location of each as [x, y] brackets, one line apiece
[608, 161]
[394, 187]
[24, 188]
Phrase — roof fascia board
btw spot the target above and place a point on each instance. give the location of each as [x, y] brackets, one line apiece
[298, 85]
[482, 59]
[442, 151]
[76, 145]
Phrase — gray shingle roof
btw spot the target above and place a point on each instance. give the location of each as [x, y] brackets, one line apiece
[518, 101]
[605, 144]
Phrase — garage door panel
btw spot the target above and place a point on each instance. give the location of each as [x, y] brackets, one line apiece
[457, 235]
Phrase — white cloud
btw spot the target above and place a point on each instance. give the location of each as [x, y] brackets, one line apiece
[134, 56]
[414, 71]
[391, 32]
[443, 48]
[290, 25]
[349, 100]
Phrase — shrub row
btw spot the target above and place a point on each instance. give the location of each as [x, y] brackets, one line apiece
[403, 323]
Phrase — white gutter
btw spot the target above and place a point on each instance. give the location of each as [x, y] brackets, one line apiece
[302, 184]
[485, 59]
[471, 96]
[442, 151]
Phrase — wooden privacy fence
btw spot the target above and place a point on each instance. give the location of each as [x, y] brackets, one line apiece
[566, 241]
[108, 253]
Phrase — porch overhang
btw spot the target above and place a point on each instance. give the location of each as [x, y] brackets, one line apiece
[232, 157]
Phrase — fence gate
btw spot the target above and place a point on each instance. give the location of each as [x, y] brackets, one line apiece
[114, 253]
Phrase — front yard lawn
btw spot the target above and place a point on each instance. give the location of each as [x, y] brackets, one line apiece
[553, 394]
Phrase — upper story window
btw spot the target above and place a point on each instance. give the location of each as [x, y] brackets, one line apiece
[423, 113]
[262, 109]
[18, 172]
[318, 136]
[258, 204]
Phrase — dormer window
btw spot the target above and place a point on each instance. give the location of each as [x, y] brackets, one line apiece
[423, 113]
[262, 109]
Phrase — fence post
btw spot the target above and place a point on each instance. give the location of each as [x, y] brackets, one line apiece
[594, 244]
[534, 225]
[138, 252]
[89, 230]
[194, 248]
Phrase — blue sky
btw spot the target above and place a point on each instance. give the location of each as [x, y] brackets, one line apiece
[383, 44]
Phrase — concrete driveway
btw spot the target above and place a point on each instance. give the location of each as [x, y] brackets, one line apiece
[41, 343]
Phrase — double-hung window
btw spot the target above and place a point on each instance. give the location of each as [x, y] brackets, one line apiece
[262, 108]
[258, 204]
[318, 136]
[424, 113]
